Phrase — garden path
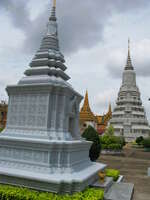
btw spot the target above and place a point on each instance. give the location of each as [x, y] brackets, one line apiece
[133, 165]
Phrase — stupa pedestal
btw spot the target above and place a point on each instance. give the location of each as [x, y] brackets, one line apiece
[41, 147]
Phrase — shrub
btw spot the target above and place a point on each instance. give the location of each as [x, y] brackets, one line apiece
[110, 131]
[91, 134]
[114, 146]
[112, 142]
[1, 129]
[18, 193]
[146, 142]
[139, 140]
[113, 173]
[121, 140]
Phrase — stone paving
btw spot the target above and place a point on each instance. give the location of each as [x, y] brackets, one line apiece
[134, 166]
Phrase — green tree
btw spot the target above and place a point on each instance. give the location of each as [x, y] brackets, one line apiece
[139, 140]
[110, 131]
[90, 134]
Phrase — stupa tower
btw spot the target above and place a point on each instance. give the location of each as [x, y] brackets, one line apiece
[129, 118]
[41, 147]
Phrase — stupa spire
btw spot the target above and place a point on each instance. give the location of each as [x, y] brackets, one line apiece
[53, 12]
[48, 60]
[54, 3]
[129, 65]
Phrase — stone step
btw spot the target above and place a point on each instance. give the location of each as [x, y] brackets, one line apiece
[120, 191]
[103, 185]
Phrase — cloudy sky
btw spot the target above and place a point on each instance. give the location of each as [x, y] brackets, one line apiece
[93, 37]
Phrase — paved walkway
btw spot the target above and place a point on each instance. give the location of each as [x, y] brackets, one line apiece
[133, 165]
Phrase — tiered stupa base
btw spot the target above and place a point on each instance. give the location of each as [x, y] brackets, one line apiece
[47, 165]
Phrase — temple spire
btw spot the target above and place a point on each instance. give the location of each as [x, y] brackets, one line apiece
[129, 62]
[86, 112]
[53, 12]
[86, 106]
[54, 3]
[109, 110]
[49, 60]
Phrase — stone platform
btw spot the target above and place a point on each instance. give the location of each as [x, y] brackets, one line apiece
[103, 185]
[53, 166]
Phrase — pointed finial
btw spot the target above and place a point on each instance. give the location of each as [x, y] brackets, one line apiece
[54, 3]
[53, 12]
[109, 107]
[129, 49]
[129, 44]
[86, 105]
[129, 62]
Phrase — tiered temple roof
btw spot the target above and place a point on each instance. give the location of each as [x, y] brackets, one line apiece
[86, 114]
[103, 119]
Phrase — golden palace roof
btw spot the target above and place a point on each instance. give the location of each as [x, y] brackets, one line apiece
[103, 119]
[86, 114]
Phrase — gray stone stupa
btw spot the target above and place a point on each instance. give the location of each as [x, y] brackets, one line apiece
[41, 147]
[129, 117]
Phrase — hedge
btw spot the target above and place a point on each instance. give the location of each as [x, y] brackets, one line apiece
[19, 193]
[112, 142]
[113, 173]
[146, 142]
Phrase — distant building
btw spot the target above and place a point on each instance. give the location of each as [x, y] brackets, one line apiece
[129, 117]
[3, 114]
[87, 117]
[103, 121]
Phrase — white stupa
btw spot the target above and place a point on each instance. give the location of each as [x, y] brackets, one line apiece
[41, 147]
[129, 117]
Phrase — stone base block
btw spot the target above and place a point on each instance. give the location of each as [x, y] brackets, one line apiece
[55, 166]
[57, 183]
[120, 191]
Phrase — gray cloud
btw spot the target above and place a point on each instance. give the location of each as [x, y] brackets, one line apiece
[18, 13]
[81, 23]
[116, 59]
